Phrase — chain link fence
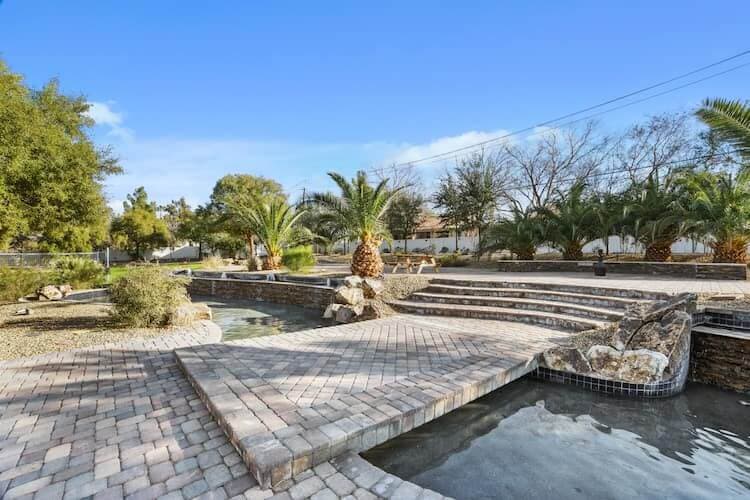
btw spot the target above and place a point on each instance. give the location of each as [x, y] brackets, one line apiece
[32, 259]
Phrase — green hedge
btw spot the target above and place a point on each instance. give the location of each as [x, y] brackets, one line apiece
[298, 258]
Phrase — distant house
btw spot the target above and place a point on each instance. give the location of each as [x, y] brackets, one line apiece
[434, 236]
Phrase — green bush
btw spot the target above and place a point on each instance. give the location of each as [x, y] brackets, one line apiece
[16, 282]
[453, 260]
[298, 258]
[146, 297]
[77, 272]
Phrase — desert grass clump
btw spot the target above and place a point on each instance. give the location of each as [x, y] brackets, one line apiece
[17, 282]
[78, 272]
[147, 297]
[298, 258]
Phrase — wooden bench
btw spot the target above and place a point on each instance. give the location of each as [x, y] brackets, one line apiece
[410, 261]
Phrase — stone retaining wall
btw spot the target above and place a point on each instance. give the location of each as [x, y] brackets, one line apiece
[681, 269]
[310, 296]
[721, 360]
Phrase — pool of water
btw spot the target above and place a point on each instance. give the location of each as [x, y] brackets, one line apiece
[535, 439]
[242, 319]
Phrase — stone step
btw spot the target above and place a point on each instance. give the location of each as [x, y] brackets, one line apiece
[556, 321]
[560, 287]
[723, 332]
[557, 307]
[619, 303]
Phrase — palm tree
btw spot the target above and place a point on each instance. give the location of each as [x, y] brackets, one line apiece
[655, 216]
[730, 120]
[521, 234]
[608, 209]
[360, 209]
[570, 222]
[273, 223]
[720, 207]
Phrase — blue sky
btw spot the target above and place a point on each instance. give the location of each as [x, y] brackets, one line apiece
[188, 91]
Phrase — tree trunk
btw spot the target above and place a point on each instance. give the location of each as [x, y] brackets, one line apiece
[573, 251]
[251, 261]
[456, 233]
[271, 262]
[526, 253]
[658, 251]
[731, 251]
[405, 251]
[366, 261]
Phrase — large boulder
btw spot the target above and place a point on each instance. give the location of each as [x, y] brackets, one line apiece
[49, 292]
[349, 296]
[331, 310]
[372, 287]
[348, 314]
[641, 313]
[65, 290]
[635, 366]
[353, 281]
[188, 313]
[566, 359]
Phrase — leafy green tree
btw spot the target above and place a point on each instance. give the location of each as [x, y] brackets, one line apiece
[51, 173]
[730, 120]
[720, 208]
[361, 210]
[570, 221]
[520, 234]
[139, 227]
[177, 215]
[273, 223]
[451, 209]
[481, 185]
[405, 214]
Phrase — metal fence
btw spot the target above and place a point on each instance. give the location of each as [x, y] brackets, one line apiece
[31, 259]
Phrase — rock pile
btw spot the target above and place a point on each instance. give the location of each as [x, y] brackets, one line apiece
[352, 300]
[188, 313]
[49, 292]
[650, 344]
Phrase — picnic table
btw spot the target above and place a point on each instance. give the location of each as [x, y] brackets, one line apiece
[410, 261]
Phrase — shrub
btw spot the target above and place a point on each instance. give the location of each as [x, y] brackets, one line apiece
[213, 262]
[453, 260]
[16, 282]
[77, 272]
[298, 258]
[445, 250]
[147, 297]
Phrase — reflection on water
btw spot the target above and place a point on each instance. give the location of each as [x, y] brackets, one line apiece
[540, 440]
[241, 319]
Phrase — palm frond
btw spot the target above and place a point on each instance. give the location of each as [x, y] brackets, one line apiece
[730, 120]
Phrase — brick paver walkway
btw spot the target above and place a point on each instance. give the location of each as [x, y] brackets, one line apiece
[122, 421]
[114, 421]
[293, 401]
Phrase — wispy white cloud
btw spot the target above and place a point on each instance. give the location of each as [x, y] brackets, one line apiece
[172, 167]
[103, 114]
[412, 152]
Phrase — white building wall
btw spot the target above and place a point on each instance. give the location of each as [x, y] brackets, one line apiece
[180, 252]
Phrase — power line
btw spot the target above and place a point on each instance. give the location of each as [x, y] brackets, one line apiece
[681, 161]
[596, 106]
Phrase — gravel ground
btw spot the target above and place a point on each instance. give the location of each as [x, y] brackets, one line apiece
[59, 326]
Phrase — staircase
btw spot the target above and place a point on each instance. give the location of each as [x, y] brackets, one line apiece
[564, 307]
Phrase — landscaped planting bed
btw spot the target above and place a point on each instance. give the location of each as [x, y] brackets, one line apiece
[59, 326]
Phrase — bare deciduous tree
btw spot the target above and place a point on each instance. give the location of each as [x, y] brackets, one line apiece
[653, 147]
[555, 161]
